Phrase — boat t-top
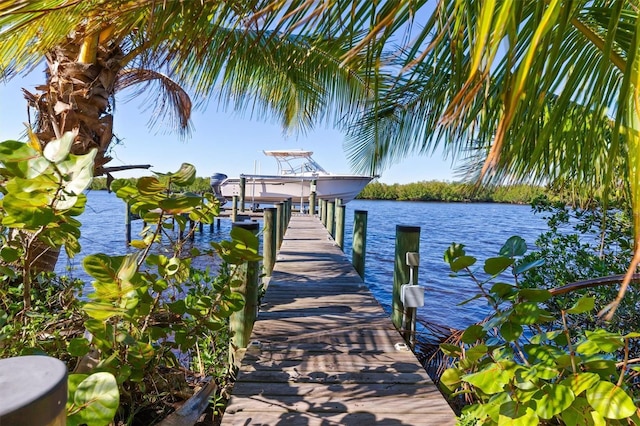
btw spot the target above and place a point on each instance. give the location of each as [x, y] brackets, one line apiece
[297, 171]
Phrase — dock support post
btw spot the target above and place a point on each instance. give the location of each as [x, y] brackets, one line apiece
[312, 198]
[407, 240]
[269, 241]
[340, 212]
[218, 223]
[200, 227]
[34, 391]
[234, 211]
[127, 223]
[288, 216]
[323, 212]
[192, 232]
[359, 246]
[241, 322]
[279, 223]
[331, 217]
[243, 184]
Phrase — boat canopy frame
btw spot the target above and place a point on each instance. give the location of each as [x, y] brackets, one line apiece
[291, 162]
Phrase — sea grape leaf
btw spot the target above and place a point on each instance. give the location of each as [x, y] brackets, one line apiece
[535, 295]
[78, 346]
[491, 380]
[496, 265]
[9, 254]
[611, 401]
[511, 331]
[580, 382]
[451, 350]
[514, 246]
[521, 267]
[185, 176]
[453, 252]
[578, 414]
[178, 205]
[473, 333]
[606, 341]
[99, 398]
[58, 149]
[451, 378]
[459, 263]
[584, 304]
[150, 185]
[553, 399]
[140, 354]
[513, 413]
[99, 267]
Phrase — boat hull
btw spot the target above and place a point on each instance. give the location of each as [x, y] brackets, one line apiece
[274, 189]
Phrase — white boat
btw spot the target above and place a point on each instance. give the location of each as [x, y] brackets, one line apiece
[296, 172]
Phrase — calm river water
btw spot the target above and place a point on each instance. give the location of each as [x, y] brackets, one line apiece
[483, 228]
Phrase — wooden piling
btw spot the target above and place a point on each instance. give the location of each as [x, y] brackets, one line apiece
[269, 240]
[192, 233]
[243, 184]
[331, 218]
[312, 198]
[218, 223]
[127, 223]
[323, 212]
[241, 322]
[234, 211]
[407, 240]
[359, 246]
[279, 224]
[200, 227]
[340, 212]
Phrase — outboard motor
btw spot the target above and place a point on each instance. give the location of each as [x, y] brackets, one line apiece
[215, 182]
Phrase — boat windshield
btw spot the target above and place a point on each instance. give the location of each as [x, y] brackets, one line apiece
[295, 162]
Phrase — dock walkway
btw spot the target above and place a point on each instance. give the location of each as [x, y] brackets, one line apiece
[323, 350]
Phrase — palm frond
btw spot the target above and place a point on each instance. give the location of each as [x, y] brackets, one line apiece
[170, 102]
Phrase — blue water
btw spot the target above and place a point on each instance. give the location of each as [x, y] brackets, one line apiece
[483, 228]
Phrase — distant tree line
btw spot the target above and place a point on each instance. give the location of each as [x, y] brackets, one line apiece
[451, 192]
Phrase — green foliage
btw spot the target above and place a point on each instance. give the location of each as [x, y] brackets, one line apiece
[199, 185]
[583, 243]
[150, 311]
[525, 365]
[92, 399]
[450, 192]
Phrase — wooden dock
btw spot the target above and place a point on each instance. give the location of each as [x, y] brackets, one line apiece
[324, 352]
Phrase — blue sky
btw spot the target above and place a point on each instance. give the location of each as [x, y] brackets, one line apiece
[220, 141]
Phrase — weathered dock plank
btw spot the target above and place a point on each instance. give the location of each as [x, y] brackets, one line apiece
[327, 352]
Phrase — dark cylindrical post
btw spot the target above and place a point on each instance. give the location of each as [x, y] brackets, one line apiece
[241, 322]
[218, 223]
[33, 391]
[331, 217]
[323, 212]
[269, 240]
[340, 212]
[279, 223]
[127, 223]
[359, 246]
[200, 227]
[289, 210]
[312, 198]
[234, 209]
[407, 240]
[192, 233]
[243, 184]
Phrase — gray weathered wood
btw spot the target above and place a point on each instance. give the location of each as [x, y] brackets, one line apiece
[324, 352]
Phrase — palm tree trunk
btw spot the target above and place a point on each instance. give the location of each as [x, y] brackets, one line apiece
[79, 87]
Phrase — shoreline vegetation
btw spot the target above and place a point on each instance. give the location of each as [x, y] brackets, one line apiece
[432, 190]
